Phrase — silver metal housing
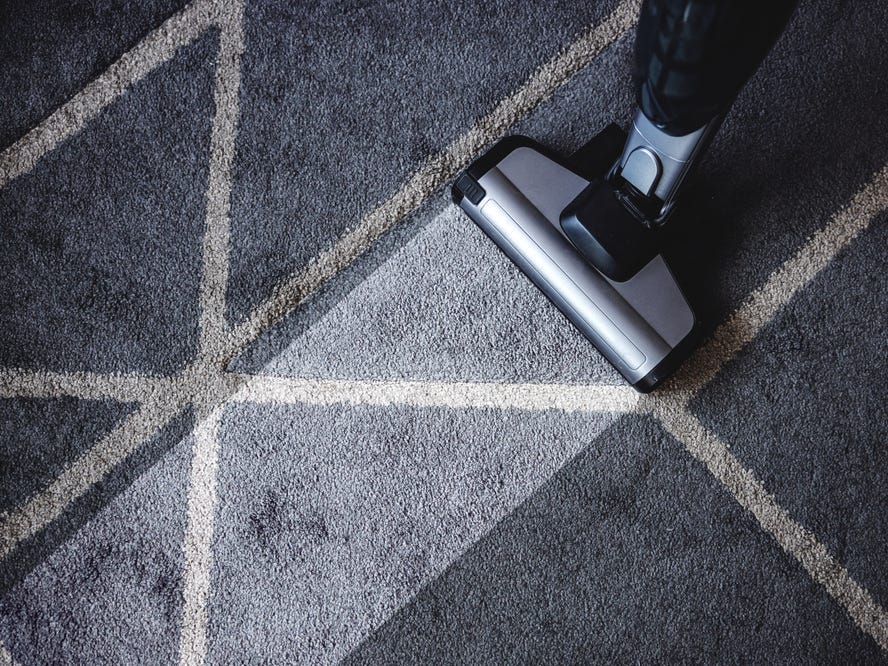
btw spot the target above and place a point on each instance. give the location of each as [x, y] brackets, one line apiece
[656, 163]
[635, 324]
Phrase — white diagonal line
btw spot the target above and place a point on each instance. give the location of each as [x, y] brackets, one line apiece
[156, 48]
[198, 540]
[671, 404]
[5, 657]
[533, 397]
[214, 279]
[20, 383]
[434, 173]
[763, 304]
[774, 519]
[91, 467]
[160, 401]
[202, 483]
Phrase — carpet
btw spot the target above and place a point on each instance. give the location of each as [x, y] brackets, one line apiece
[267, 396]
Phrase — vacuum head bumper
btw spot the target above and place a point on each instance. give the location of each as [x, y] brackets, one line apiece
[517, 193]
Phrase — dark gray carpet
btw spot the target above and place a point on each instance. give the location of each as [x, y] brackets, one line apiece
[359, 480]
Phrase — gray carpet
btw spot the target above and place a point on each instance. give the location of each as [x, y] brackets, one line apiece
[267, 397]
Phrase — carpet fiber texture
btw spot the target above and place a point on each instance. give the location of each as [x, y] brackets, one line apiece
[267, 396]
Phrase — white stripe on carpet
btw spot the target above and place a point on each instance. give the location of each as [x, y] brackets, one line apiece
[156, 48]
[20, 383]
[774, 519]
[214, 277]
[198, 540]
[419, 393]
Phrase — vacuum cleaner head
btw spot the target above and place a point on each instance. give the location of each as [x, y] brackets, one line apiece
[557, 220]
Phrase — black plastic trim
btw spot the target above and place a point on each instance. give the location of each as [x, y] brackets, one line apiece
[596, 157]
[608, 235]
[468, 187]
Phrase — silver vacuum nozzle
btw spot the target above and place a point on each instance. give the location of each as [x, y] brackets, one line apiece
[517, 193]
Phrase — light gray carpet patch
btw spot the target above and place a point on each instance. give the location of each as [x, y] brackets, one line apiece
[342, 101]
[329, 519]
[103, 241]
[631, 553]
[804, 407]
[447, 306]
[112, 592]
[50, 50]
[41, 437]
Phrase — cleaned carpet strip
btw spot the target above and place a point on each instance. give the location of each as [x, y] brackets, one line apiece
[432, 175]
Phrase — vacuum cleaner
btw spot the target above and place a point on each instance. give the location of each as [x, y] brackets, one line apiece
[589, 229]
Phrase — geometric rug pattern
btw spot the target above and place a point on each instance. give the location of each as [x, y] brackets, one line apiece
[268, 397]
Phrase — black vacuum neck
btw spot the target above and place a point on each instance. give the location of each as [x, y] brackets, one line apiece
[693, 56]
